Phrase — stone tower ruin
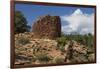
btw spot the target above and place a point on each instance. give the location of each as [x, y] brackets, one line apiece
[47, 27]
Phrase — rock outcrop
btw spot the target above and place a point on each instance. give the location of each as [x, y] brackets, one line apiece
[35, 51]
[78, 53]
[47, 27]
[46, 51]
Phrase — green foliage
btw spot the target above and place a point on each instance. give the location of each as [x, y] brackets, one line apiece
[43, 57]
[86, 39]
[20, 23]
[59, 60]
[23, 40]
[34, 58]
[62, 48]
[61, 41]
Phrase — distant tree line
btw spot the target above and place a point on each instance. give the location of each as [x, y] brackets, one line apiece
[86, 39]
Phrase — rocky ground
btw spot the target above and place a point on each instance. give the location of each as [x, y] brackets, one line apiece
[29, 50]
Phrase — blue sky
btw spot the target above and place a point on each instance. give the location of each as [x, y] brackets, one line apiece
[31, 12]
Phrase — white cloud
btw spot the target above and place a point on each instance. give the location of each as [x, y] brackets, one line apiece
[78, 22]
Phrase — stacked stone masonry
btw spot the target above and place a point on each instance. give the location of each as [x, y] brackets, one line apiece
[47, 27]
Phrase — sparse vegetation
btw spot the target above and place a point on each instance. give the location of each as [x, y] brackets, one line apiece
[58, 60]
[42, 49]
[23, 40]
[86, 39]
[43, 57]
[61, 43]
[34, 58]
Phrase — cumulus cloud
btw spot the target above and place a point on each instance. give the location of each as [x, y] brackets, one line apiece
[79, 22]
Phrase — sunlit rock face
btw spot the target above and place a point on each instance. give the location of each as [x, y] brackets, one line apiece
[47, 27]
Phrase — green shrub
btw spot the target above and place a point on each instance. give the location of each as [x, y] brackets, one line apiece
[61, 43]
[86, 39]
[34, 59]
[43, 57]
[23, 40]
[59, 60]
[62, 48]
